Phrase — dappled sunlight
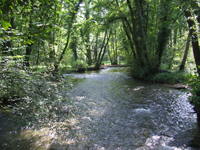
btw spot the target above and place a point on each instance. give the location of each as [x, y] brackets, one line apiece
[40, 138]
[92, 75]
[47, 137]
[80, 97]
[96, 112]
[160, 142]
[142, 110]
[138, 88]
[81, 76]
[86, 118]
[113, 112]
[73, 121]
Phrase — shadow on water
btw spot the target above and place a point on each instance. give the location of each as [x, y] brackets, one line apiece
[113, 111]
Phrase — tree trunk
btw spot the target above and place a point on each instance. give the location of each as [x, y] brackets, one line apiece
[28, 48]
[194, 38]
[28, 53]
[164, 33]
[73, 46]
[142, 29]
[57, 63]
[11, 43]
[182, 66]
[87, 16]
[102, 51]
[125, 20]
[113, 49]
[135, 36]
[95, 48]
[52, 43]
[116, 62]
[38, 55]
[102, 56]
[111, 61]
[174, 49]
[130, 40]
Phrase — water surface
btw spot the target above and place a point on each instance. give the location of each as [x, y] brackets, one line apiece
[112, 111]
[118, 112]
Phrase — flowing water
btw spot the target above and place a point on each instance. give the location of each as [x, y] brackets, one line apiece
[113, 112]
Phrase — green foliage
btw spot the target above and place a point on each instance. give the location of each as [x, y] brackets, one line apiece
[194, 82]
[140, 72]
[35, 98]
[170, 78]
[160, 76]
[80, 65]
[10, 75]
[5, 24]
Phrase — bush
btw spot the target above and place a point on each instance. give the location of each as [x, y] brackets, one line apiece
[170, 78]
[13, 83]
[157, 76]
[194, 82]
[140, 73]
[36, 98]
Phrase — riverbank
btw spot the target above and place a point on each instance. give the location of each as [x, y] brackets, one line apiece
[176, 86]
[90, 68]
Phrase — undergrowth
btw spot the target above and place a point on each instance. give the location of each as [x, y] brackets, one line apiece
[169, 78]
[34, 97]
[151, 74]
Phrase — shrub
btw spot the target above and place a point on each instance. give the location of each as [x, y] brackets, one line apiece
[36, 98]
[194, 82]
[170, 78]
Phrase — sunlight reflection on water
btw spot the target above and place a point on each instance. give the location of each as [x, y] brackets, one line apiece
[112, 111]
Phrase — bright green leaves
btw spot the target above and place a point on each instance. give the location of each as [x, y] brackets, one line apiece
[5, 24]
[28, 41]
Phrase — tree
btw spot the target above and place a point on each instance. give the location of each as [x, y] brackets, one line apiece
[72, 14]
[87, 32]
[103, 49]
[30, 34]
[140, 31]
[193, 35]
[182, 66]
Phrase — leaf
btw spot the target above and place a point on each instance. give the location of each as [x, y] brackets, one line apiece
[5, 24]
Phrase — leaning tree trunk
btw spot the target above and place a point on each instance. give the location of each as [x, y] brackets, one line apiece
[135, 36]
[57, 63]
[127, 29]
[102, 51]
[174, 49]
[182, 66]
[194, 38]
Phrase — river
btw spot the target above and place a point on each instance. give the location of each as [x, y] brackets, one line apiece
[112, 111]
